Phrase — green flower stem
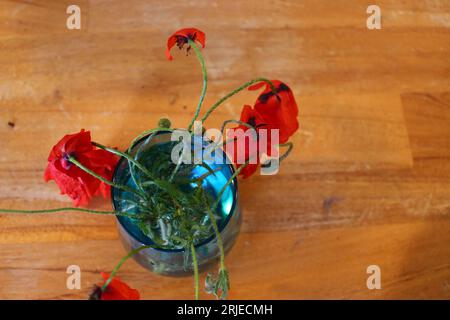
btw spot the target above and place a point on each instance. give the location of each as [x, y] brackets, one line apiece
[222, 268]
[200, 58]
[121, 262]
[136, 163]
[145, 133]
[62, 210]
[232, 93]
[128, 157]
[224, 124]
[177, 167]
[99, 177]
[195, 263]
[135, 158]
[219, 238]
[220, 145]
[235, 174]
[290, 146]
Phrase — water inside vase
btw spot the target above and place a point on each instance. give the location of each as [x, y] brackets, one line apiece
[212, 185]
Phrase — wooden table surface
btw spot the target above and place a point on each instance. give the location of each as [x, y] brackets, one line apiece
[368, 182]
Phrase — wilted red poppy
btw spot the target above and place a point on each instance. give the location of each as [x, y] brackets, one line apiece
[116, 290]
[71, 180]
[278, 108]
[181, 37]
[242, 150]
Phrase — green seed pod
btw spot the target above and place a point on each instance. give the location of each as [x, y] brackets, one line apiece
[164, 123]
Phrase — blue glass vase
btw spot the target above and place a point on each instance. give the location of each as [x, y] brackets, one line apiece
[173, 261]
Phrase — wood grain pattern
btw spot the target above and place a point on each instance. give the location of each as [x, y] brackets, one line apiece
[368, 181]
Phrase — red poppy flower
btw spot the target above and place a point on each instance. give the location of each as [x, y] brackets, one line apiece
[116, 290]
[243, 141]
[71, 180]
[181, 37]
[278, 109]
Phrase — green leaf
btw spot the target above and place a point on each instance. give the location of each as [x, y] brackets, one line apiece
[218, 285]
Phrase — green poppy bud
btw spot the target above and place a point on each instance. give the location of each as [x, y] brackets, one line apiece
[164, 123]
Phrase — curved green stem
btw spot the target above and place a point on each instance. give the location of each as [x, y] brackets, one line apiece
[232, 93]
[222, 283]
[126, 156]
[195, 263]
[177, 167]
[219, 237]
[242, 123]
[145, 133]
[205, 81]
[62, 210]
[235, 174]
[121, 262]
[135, 159]
[99, 177]
[134, 162]
[290, 146]
[223, 143]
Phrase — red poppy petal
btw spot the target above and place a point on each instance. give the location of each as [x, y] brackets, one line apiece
[118, 290]
[170, 43]
[200, 37]
[279, 111]
[103, 163]
[78, 142]
[47, 172]
[105, 275]
[257, 86]
[252, 117]
[101, 159]
[192, 33]
[79, 185]
[68, 185]
[104, 190]
[248, 171]
[267, 87]
[246, 113]
[71, 143]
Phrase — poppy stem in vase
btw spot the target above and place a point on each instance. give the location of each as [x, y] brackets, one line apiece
[126, 156]
[235, 174]
[219, 237]
[195, 264]
[199, 55]
[99, 177]
[237, 90]
[146, 133]
[132, 162]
